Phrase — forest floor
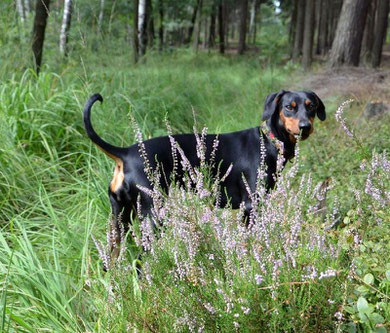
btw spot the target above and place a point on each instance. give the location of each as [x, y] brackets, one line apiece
[361, 83]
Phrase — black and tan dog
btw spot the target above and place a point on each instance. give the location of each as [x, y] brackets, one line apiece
[286, 115]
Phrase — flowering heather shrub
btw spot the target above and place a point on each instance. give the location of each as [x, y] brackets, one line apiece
[367, 239]
[205, 269]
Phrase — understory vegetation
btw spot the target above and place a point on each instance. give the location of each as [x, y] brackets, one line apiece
[314, 256]
[293, 267]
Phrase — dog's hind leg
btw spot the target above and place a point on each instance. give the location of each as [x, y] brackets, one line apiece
[121, 214]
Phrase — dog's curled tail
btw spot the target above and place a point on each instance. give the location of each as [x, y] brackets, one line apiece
[112, 151]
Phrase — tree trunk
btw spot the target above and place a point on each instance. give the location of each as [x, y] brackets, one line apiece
[226, 20]
[205, 33]
[380, 31]
[197, 27]
[211, 43]
[20, 9]
[298, 40]
[252, 20]
[142, 23]
[221, 29]
[335, 10]
[293, 24]
[101, 14]
[318, 14]
[135, 32]
[347, 44]
[254, 34]
[149, 23]
[308, 35]
[161, 27]
[323, 28]
[38, 36]
[65, 27]
[243, 26]
[368, 35]
[257, 18]
[27, 7]
[193, 19]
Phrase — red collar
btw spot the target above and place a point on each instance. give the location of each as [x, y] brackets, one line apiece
[271, 136]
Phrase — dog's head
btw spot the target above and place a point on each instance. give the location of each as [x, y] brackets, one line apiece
[295, 111]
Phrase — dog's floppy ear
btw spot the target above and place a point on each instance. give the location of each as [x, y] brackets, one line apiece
[320, 107]
[271, 104]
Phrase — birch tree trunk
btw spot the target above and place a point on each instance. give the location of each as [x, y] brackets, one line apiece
[27, 7]
[193, 20]
[65, 27]
[20, 9]
[348, 41]
[252, 20]
[380, 31]
[101, 15]
[257, 20]
[38, 36]
[197, 27]
[142, 27]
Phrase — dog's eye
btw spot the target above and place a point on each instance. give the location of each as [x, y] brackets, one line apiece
[289, 107]
[311, 106]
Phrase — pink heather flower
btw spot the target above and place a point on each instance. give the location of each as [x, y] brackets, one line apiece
[217, 282]
[104, 255]
[275, 271]
[259, 279]
[209, 308]
[311, 273]
[214, 150]
[341, 120]
[201, 146]
[206, 217]
[227, 173]
[327, 274]
[174, 154]
[245, 310]
[339, 315]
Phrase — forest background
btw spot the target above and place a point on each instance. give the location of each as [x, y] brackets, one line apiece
[318, 259]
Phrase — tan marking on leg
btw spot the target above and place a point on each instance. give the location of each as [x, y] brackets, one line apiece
[118, 177]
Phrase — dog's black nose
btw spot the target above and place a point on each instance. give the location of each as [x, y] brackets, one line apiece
[304, 126]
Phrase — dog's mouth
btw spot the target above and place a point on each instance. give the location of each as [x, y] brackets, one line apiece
[301, 135]
[304, 135]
